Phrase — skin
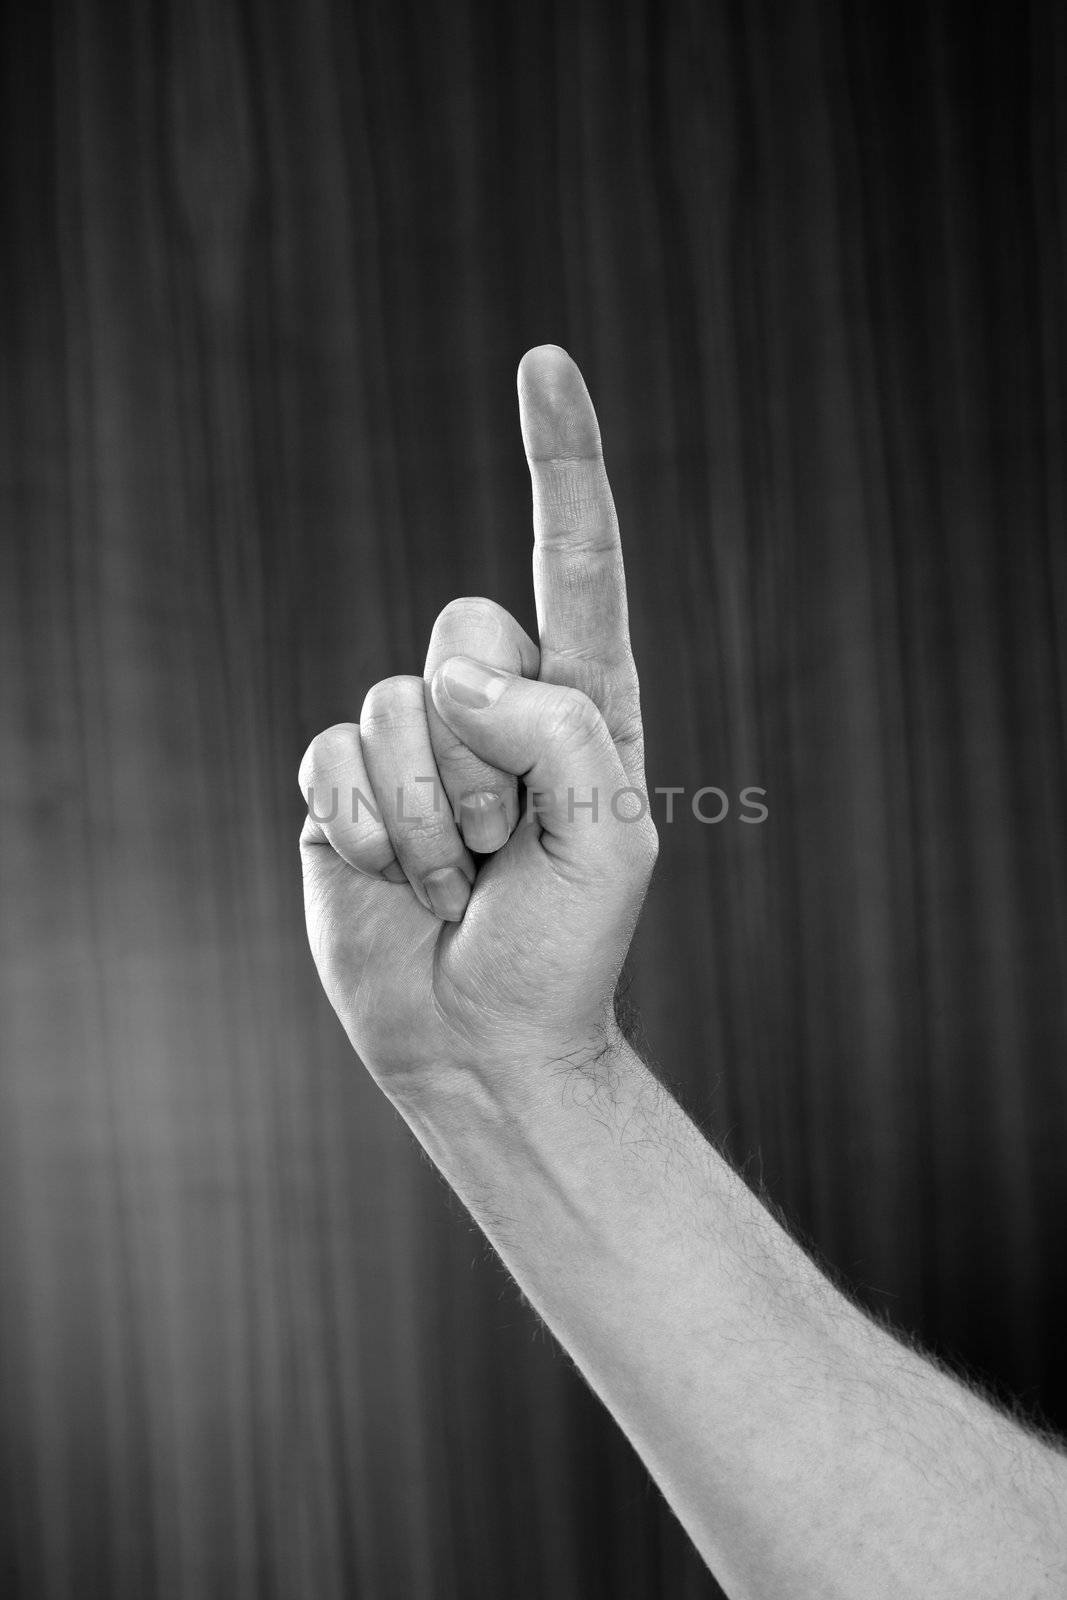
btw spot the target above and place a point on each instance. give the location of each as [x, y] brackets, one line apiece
[808, 1452]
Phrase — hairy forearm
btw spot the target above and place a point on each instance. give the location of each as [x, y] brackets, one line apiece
[805, 1450]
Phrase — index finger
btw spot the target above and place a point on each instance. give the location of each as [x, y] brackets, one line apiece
[579, 579]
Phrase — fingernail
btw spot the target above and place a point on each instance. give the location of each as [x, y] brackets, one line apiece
[484, 821]
[395, 873]
[468, 683]
[448, 892]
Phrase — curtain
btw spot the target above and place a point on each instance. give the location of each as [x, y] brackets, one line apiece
[267, 272]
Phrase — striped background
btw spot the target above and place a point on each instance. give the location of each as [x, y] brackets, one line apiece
[267, 269]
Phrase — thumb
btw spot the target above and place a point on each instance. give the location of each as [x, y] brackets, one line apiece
[555, 739]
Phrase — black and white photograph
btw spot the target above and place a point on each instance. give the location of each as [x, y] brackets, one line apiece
[533, 833]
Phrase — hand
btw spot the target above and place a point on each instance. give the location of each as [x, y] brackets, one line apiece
[434, 960]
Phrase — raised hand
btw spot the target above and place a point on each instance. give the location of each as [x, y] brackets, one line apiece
[436, 960]
[807, 1451]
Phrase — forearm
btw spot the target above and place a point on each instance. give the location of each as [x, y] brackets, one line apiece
[805, 1450]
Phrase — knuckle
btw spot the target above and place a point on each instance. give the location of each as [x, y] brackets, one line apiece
[628, 729]
[420, 826]
[475, 625]
[393, 702]
[468, 609]
[623, 702]
[572, 718]
[329, 751]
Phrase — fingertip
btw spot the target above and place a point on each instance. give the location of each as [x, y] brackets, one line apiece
[331, 750]
[544, 358]
[555, 410]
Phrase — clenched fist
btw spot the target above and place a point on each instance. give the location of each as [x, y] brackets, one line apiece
[477, 847]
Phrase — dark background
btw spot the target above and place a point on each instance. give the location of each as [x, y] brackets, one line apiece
[267, 271]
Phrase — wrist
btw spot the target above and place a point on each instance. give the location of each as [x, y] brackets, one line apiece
[510, 1074]
[558, 1121]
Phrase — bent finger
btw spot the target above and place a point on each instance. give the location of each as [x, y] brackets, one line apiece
[591, 813]
[483, 799]
[337, 788]
[395, 738]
